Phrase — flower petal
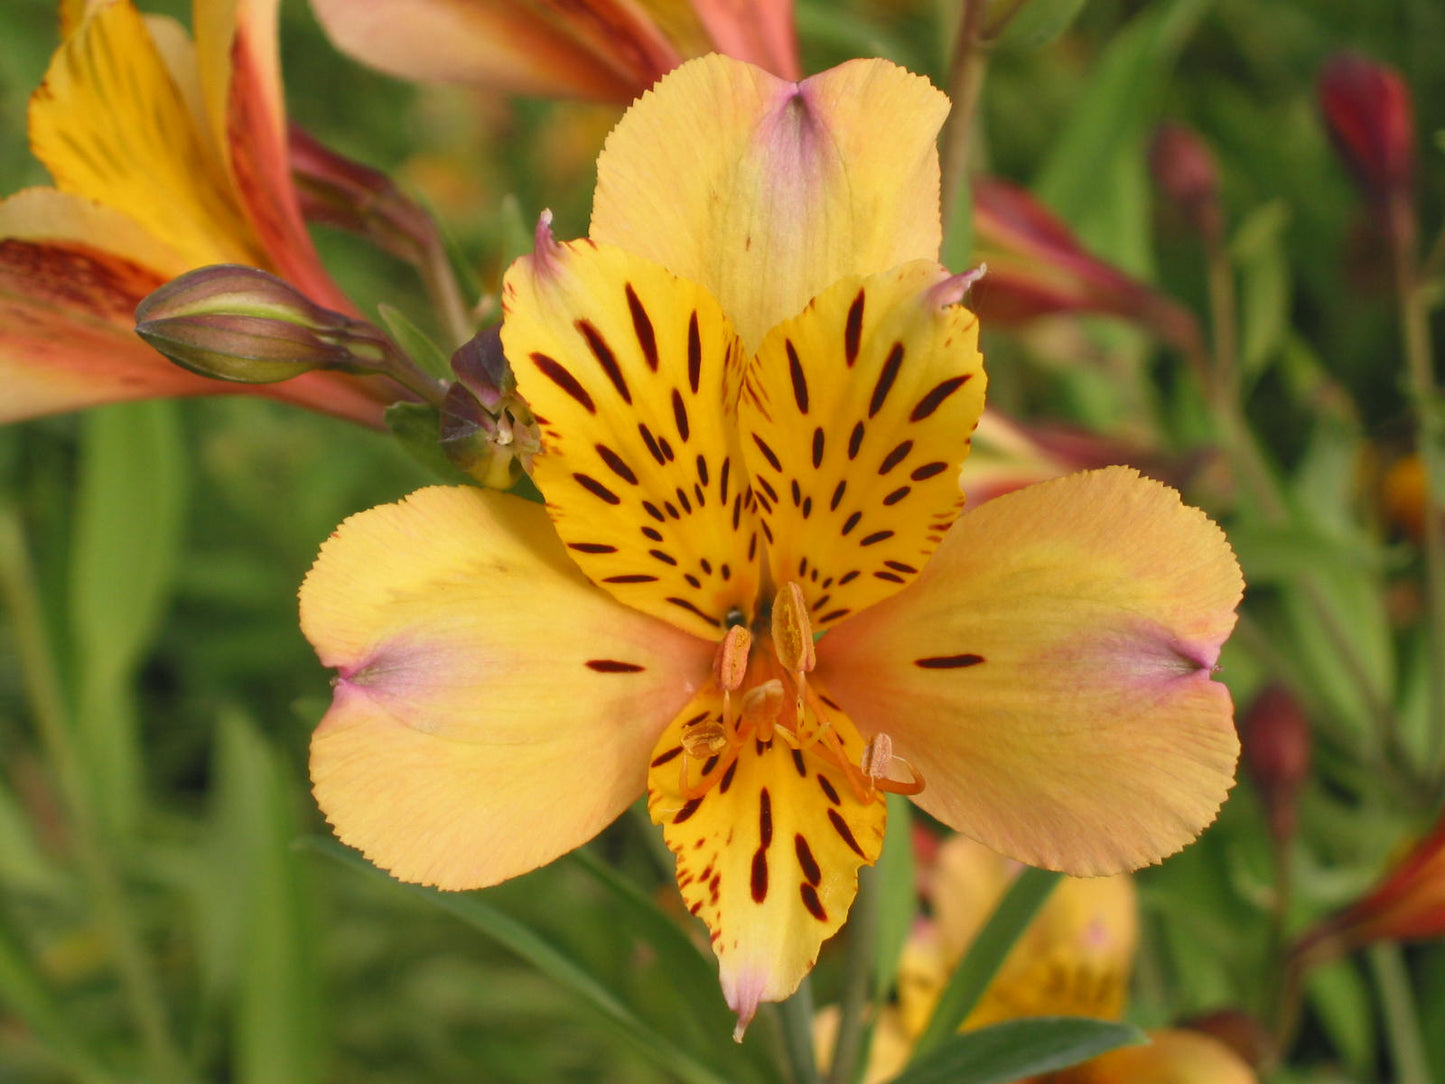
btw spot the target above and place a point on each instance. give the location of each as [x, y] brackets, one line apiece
[493, 710]
[633, 375]
[237, 43]
[856, 415]
[110, 123]
[71, 274]
[759, 31]
[769, 856]
[1049, 673]
[786, 189]
[603, 49]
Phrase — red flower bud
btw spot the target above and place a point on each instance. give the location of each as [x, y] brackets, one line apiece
[1371, 118]
[1184, 170]
[1275, 736]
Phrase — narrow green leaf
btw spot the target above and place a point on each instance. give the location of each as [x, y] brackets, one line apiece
[1118, 102]
[415, 343]
[1019, 1048]
[989, 950]
[1037, 23]
[1265, 286]
[275, 1037]
[552, 960]
[897, 899]
[130, 514]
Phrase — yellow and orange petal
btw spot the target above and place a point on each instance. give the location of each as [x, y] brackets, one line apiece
[493, 709]
[602, 49]
[110, 123]
[1049, 673]
[788, 187]
[633, 375]
[856, 415]
[768, 854]
[1172, 1056]
[71, 274]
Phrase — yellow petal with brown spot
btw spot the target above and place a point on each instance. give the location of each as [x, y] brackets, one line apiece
[633, 375]
[769, 855]
[856, 415]
[1049, 673]
[492, 709]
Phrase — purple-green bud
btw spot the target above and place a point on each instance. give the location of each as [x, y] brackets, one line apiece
[487, 429]
[240, 324]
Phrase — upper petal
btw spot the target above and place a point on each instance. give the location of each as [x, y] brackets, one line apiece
[493, 709]
[633, 375]
[856, 415]
[111, 124]
[1049, 673]
[787, 188]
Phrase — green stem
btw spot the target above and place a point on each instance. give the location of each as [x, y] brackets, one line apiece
[1430, 429]
[106, 893]
[857, 980]
[796, 1017]
[1402, 1019]
[966, 71]
[435, 268]
[971, 978]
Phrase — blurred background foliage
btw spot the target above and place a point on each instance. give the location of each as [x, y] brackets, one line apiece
[162, 544]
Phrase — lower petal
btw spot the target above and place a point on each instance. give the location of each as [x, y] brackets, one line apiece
[493, 709]
[1049, 673]
[768, 856]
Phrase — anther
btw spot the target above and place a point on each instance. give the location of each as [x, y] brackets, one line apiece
[877, 762]
[792, 631]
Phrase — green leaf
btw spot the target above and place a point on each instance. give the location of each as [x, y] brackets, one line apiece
[1265, 285]
[1108, 124]
[418, 428]
[415, 343]
[985, 956]
[1341, 998]
[1037, 23]
[553, 960]
[266, 896]
[897, 897]
[1019, 1048]
[130, 515]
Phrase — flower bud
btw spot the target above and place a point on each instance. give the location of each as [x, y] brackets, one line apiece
[1371, 119]
[1184, 171]
[487, 429]
[1275, 736]
[240, 324]
[1408, 904]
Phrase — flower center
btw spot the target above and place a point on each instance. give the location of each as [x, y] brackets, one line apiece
[766, 695]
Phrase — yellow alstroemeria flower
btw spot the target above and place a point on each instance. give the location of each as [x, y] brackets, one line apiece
[166, 155]
[748, 593]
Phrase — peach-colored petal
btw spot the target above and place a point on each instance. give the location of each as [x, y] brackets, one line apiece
[787, 187]
[493, 709]
[601, 49]
[1049, 673]
[759, 31]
